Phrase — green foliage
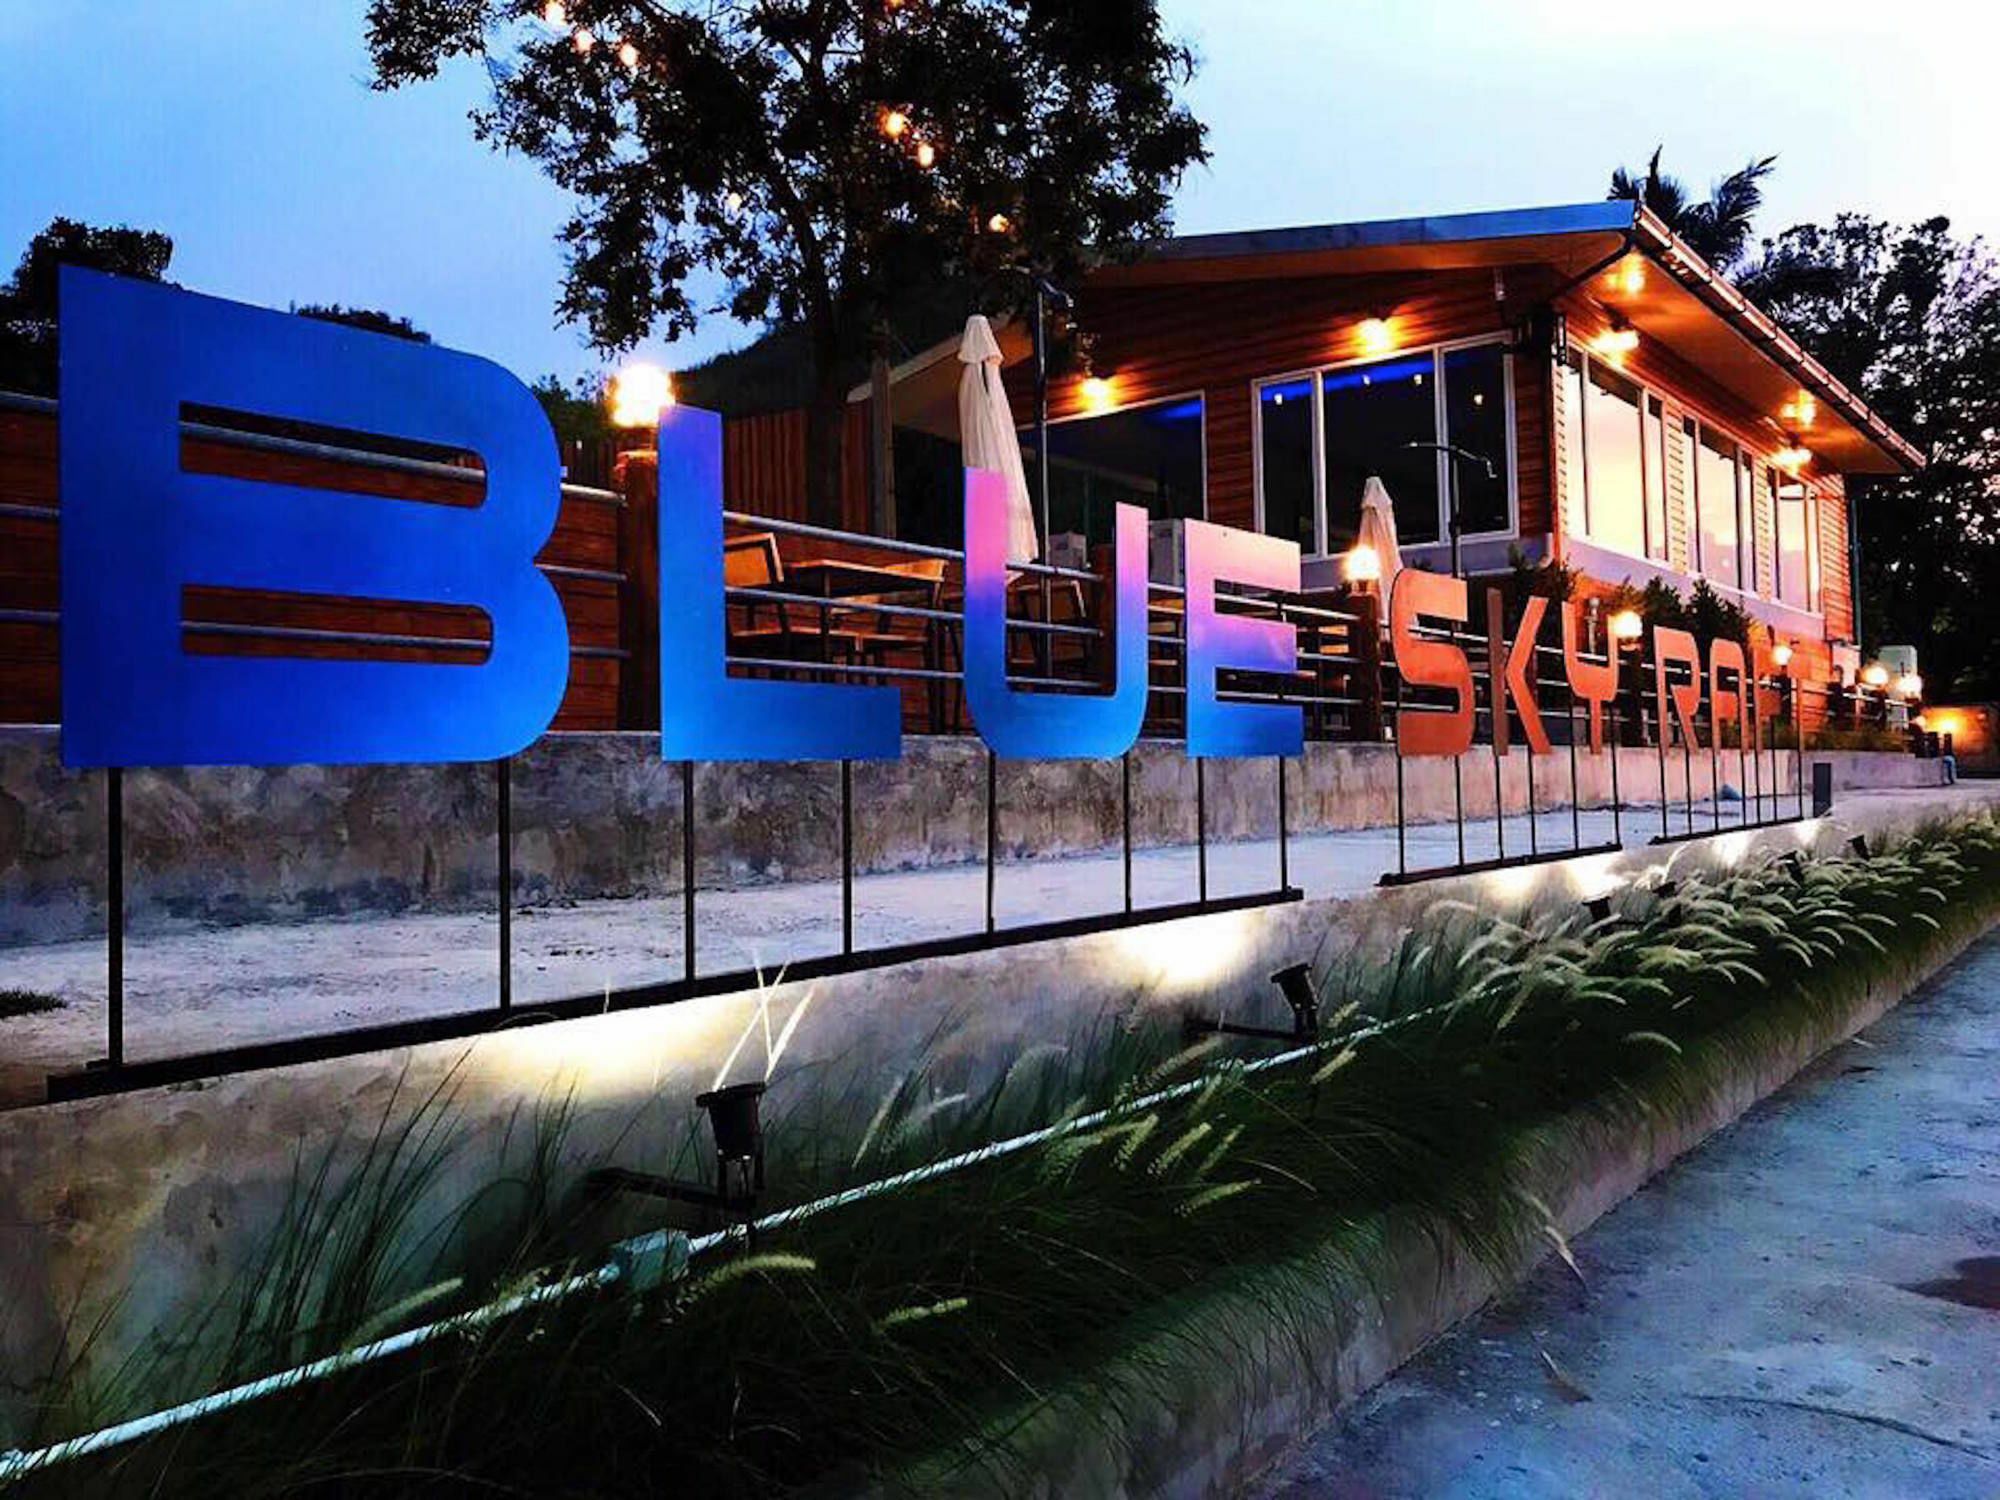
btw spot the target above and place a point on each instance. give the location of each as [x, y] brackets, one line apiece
[1549, 579]
[575, 411]
[1909, 316]
[1716, 228]
[367, 319]
[745, 143]
[28, 301]
[945, 1317]
[1710, 617]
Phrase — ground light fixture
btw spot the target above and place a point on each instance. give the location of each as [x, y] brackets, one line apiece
[735, 1119]
[1795, 862]
[1859, 844]
[1295, 984]
[1599, 908]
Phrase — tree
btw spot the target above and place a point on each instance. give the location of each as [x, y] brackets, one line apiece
[367, 319]
[28, 301]
[1910, 318]
[820, 156]
[1718, 228]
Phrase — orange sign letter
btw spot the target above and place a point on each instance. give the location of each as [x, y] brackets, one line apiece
[1423, 663]
[1595, 683]
[1508, 673]
[1685, 697]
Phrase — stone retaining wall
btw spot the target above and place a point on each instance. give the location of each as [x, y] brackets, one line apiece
[599, 815]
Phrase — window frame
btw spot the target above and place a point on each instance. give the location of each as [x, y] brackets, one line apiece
[1317, 373]
[1025, 432]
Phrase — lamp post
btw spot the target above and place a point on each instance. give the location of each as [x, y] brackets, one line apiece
[1457, 455]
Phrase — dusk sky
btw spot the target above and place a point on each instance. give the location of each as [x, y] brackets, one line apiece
[247, 131]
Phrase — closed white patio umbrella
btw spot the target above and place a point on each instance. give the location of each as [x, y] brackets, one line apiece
[987, 434]
[1377, 532]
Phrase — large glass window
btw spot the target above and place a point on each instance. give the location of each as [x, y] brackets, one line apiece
[1373, 413]
[1285, 460]
[1141, 455]
[1798, 570]
[1616, 483]
[1656, 479]
[1386, 420]
[1715, 504]
[1475, 396]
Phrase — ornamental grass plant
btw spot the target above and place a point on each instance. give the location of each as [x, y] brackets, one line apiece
[928, 1330]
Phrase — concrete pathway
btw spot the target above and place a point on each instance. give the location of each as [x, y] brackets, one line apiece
[1807, 1305]
[210, 987]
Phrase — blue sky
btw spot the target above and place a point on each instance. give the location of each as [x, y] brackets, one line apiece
[245, 128]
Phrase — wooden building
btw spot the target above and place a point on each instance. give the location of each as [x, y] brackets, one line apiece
[1641, 419]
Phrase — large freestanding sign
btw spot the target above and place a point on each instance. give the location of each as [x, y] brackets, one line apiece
[138, 530]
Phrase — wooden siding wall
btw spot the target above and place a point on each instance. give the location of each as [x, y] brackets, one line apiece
[764, 466]
[582, 560]
[1218, 339]
[1687, 392]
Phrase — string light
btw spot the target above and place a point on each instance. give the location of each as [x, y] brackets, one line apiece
[583, 39]
[1000, 224]
[555, 15]
[628, 54]
[926, 155]
[732, 204]
[894, 123]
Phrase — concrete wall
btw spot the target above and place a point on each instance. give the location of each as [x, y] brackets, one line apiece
[140, 1208]
[598, 815]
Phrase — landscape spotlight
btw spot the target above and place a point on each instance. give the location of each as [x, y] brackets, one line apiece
[1859, 844]
[1795, 862]
[1295, 983]
[735, 1120]
[1599, 908]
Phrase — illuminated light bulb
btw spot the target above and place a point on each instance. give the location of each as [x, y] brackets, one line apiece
[1782, 653]
[583, 40]
[1875, 675]
[555, 15]
[1627, 625]
[1910, 685]
[639, 393]
[1375, 335]
[1792, 459]
[1096, 392]
[1478, 397]
[1616, 342]
[1362, 564]
[895, 123]
[732, 204]
[926, 155]
[1000, 224]
[1631, 277]
[628, 54]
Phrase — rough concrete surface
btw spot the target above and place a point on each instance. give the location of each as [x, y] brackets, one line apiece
[207, 986]
[1809, 1304]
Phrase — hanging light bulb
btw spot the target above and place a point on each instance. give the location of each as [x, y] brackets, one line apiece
[732, 204]
[894, 123]
[583, 39]
[926, 155]
[628, 54]
[555, 15]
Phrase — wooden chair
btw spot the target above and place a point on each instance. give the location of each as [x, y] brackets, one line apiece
[751, 560]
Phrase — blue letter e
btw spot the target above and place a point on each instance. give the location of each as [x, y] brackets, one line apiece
[137, 529]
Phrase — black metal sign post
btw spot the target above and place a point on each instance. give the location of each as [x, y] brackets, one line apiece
[503, 792]
[687, 869]
[114, 903]
[1125, 783]
[847, 857]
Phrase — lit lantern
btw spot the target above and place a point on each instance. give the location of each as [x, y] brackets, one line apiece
[1362, 564]
[639, 393]
[1875, 675]
[1782, 654]
[1626, 625]
[1375, 335]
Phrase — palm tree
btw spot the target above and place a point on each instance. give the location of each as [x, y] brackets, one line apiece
[1717, 228]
